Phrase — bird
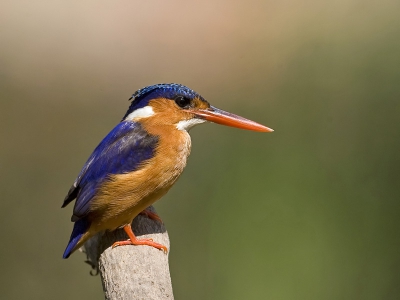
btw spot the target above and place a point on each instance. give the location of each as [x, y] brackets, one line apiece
[139, 160]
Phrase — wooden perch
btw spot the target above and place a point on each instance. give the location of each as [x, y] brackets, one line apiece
[132, 272]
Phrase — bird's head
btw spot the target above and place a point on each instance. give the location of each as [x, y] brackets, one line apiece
[176, 104]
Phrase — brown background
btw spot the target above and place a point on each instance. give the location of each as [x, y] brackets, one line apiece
[308, 212]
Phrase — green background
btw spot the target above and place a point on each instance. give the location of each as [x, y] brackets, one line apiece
[310, 211]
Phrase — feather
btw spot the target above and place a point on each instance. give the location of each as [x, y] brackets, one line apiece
[123, 150]
[80, 228]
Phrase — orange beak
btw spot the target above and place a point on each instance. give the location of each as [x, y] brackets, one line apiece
[219, 116]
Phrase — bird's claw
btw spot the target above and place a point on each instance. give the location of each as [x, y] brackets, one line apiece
[147, 242]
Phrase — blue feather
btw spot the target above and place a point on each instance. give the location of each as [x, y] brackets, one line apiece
[80, 228]
[123, 150]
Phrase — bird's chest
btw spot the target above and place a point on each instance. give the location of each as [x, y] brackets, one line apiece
[125, 195]
[162, 171]
[172, 155]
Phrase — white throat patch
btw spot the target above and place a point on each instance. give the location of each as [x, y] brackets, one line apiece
[139, 113]
[187, 124]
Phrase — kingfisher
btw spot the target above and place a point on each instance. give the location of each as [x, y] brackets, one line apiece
[139, 161]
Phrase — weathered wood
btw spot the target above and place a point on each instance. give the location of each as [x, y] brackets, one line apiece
[132, 272]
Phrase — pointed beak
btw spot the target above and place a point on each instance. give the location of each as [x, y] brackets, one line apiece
[219, 116]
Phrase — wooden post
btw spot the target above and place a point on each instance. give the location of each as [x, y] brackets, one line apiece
[132, 272]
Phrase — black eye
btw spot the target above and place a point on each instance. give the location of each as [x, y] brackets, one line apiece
[182, 101]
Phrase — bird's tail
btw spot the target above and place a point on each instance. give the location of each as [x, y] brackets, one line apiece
[77, 236]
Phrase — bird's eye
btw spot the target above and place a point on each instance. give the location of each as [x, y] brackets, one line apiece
[182, 101]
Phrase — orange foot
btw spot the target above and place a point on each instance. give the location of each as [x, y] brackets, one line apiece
[151, 215]
[134, 241]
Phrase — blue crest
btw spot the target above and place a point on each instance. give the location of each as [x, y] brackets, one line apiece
[142, 97]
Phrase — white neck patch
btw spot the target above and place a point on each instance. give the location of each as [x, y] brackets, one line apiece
[139, 113]
[187, 124]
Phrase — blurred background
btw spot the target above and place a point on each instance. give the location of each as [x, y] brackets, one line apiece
[310, 211]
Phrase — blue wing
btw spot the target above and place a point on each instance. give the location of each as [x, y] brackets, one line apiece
[121, 151]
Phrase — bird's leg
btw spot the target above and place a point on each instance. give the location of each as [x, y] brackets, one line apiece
[134, 241]
[151, 215]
